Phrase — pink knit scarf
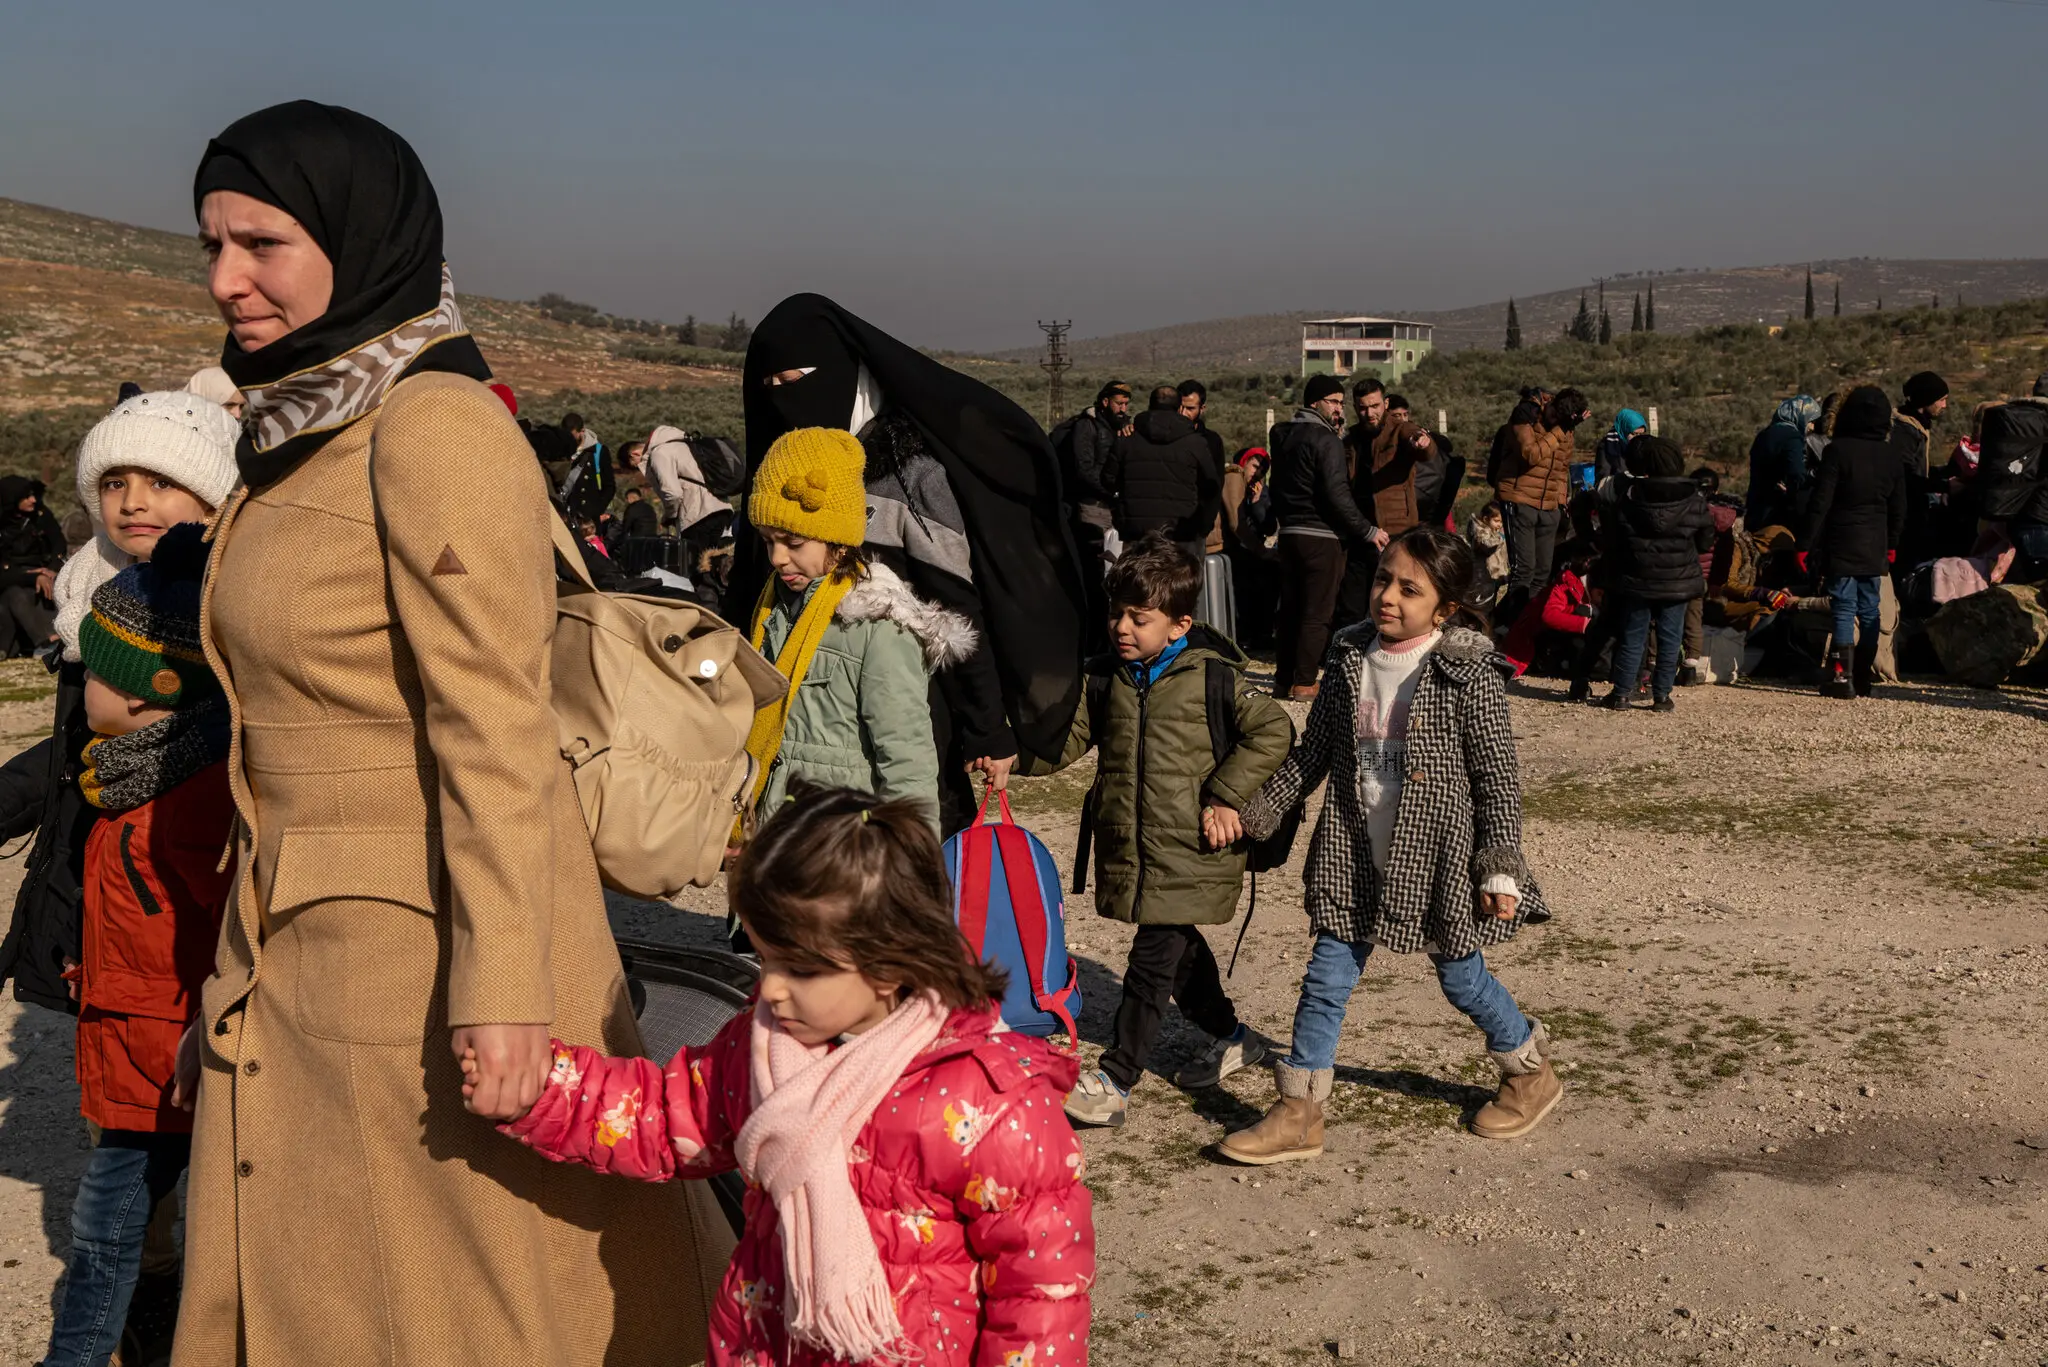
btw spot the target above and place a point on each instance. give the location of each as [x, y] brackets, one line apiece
[809, 1104]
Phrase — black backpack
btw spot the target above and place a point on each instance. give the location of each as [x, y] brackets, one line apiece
[723, 468]
[2015, 435]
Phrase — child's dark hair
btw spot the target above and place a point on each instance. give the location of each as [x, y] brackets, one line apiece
[1447, 562]
[840, 879]
[1155, 573]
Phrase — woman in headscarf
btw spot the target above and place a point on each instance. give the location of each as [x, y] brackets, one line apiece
[963, 503]
[1611, 456]
[415, 877]
[1780, 473]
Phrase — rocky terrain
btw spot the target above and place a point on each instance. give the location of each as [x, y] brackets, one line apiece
[1796, 977]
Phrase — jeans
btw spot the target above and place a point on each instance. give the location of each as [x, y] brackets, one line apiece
[1532, 545]
[1635, 637]
[1333, 969]
[1856, 598]
[1167, 963]
[128, 1173]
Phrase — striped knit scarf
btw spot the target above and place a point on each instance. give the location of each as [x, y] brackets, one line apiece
[793, 661]
[123, 772]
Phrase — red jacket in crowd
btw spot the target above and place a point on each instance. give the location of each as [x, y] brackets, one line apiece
[1554, 611]
[154, 895]
[969, 1174]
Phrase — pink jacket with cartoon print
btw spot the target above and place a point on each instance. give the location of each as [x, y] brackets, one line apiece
[969, 1173]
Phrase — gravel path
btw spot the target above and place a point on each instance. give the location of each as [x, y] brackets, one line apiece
[1795, 969]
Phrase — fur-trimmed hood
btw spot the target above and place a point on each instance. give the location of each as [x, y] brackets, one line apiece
[946, 637]
[1460, 652]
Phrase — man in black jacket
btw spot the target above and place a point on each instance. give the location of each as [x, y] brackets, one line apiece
[1167, 477]
[31, 552]
[1086, 446]
[1311, 492]
[1860, 509]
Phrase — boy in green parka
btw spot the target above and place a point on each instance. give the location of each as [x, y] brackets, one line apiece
[1169, 855]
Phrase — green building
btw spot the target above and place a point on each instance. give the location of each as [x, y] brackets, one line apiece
[1385, 347]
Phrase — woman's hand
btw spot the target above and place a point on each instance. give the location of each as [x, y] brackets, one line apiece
[1499, 905]
[185, 1074]
[998, 770]
[503, 1067]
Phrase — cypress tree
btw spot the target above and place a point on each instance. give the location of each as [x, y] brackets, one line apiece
[1650, 311]
[1514, 339]
[1606, 327]
[1581, 327]
[686, 332]
[1809, 294]
[1635, 322]
[1838, 299]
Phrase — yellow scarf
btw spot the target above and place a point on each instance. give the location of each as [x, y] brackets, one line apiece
[793, 661]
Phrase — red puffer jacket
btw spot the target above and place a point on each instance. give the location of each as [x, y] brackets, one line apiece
[154, 895]
[969, 1174]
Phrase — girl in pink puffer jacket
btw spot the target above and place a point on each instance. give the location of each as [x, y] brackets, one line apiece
[914, 1189]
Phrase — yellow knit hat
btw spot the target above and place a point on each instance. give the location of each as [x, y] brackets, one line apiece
[810, 483]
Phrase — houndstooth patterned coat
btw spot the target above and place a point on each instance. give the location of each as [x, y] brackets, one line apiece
[1460, 814]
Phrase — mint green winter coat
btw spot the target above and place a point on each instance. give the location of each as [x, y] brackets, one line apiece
[862, 717]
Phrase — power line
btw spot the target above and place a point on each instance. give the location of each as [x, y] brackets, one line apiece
[1055, 366]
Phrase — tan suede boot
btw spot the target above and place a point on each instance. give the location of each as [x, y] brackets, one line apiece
[1529, 1090]
[1293, 1128]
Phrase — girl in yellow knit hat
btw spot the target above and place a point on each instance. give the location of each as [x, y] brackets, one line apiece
[857, 646]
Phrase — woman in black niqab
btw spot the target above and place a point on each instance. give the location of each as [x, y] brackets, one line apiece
[362, 195]
[964, 502]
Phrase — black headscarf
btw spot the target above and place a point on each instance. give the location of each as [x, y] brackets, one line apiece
[361, 193]
[1002, 471]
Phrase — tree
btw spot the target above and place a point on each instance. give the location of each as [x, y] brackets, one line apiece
[686, 331]
[1809, 294]
[1650, 311]
[1606, 327]
[1838, 299]
[1937, 302]
[737, 334]
[1581, 327]
[1635, 322]
[1514, 340]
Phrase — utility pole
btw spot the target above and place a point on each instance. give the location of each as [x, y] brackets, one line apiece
[1055, 366]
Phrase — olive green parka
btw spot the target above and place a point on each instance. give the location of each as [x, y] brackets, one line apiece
[1155, 770]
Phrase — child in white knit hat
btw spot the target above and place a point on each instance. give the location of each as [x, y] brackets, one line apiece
[155, 461]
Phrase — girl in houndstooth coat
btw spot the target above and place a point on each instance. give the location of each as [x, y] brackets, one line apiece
[1418, 846]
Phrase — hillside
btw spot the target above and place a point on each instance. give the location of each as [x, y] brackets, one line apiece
[1686, 302]
[86, 303]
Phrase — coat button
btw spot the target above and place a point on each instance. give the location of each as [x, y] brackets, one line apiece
[245, 1167]
[1415, 777]
[252, 1067]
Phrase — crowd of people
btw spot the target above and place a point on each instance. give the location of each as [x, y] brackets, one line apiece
[393, 1013]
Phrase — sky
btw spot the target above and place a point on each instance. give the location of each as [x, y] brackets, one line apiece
[957, 171]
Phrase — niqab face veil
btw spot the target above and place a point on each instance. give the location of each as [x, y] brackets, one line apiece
[361, 193]
[997, 462]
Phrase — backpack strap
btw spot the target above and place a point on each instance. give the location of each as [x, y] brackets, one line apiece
[974, 872]
[1027, 910]
[1097, 703]
[1219, 700]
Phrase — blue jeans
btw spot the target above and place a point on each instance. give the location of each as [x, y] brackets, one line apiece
[1333, 969]
[1856, 598]
[128, 1173]
[1635, 635]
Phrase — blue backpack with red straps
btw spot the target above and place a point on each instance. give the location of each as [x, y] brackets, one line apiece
[1008, 904]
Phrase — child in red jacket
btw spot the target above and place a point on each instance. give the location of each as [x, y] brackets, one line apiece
[914, 1190]
[153, 902]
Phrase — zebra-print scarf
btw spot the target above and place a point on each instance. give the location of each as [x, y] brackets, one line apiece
[289, 420]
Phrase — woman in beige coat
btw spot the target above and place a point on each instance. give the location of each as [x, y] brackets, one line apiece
[415, 876]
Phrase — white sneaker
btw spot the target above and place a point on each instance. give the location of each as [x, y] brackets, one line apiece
[1096, 1100]
[1226, 1056]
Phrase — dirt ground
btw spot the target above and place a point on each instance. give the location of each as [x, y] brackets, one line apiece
[1794, 974]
